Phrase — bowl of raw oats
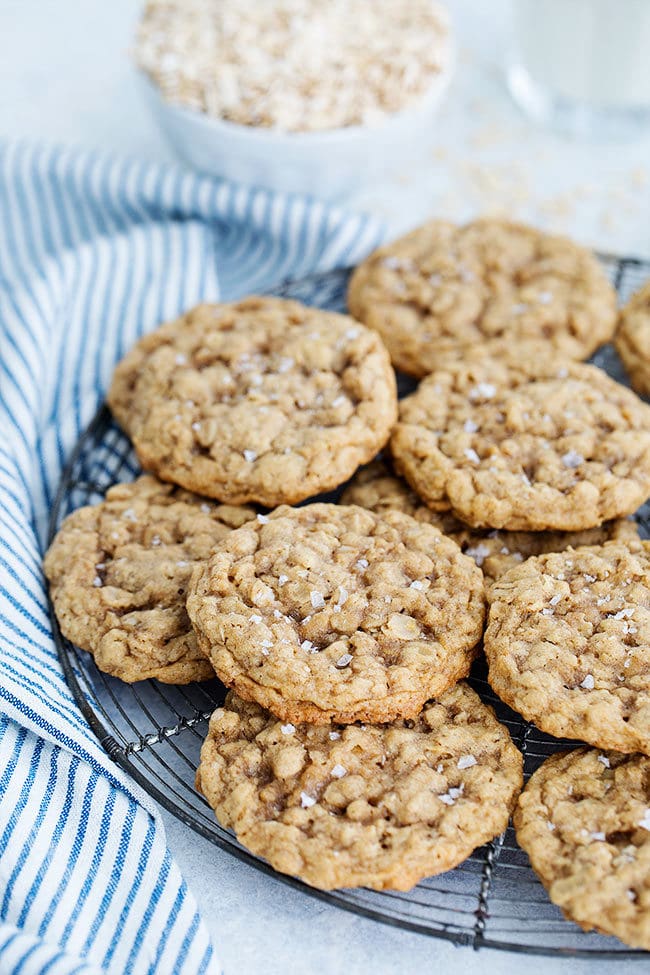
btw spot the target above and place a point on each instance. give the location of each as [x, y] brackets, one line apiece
[295, 95]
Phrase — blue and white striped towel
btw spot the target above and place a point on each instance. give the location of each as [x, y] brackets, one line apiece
[93, 252]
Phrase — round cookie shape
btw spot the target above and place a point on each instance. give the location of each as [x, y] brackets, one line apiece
[377, 488]
[378, 806]
[565, 449]
[584, 821]
[331, 613]
[632, 339]
[446, 288]
[118, 574]
[263, 400]
[567, 644]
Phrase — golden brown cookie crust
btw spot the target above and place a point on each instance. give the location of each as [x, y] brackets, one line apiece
[564, 450]
[633, 339]
[377, 806]
[444, 288]
[263, 400]
[331, 613]
[584, 820]
[377, 488]
[567, 644]
[118, 572]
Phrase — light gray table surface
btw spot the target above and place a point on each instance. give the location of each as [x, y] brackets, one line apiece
[65, 76]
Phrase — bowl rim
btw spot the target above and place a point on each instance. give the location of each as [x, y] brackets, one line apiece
[271, 135]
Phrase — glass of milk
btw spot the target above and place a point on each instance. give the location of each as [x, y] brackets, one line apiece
[583, 66]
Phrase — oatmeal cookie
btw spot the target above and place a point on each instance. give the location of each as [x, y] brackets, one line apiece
[331, 613]
[633, 339]
[118, 571]
[492, 283]
[263, 400]
[567, 644]
[377, 806]
[584, 820]
[565, 450]
[377, 488]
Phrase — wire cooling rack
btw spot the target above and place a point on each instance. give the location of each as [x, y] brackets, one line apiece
[155, 731]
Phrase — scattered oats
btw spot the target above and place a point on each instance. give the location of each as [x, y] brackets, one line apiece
[317, 599]
[282, 580]
[334, 735]
[588, 683]
[263, 519]
[471, 454]
[482, 391]
[306, 801]
[479, 553]
[416, 584]
[344, 660]
[645, 822]
[361, 563]
[250, 456]
[287, 729]
[466, 761]
[603, 759]
[572, 459]
[339, 771]
[97, 581]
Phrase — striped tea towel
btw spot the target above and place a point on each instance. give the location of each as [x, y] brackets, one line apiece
[93, 252]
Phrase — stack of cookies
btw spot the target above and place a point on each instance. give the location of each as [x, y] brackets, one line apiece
[349, 751]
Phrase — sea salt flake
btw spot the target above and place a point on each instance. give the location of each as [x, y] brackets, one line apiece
[267, 643]
[479, 553]
[449, 798]
[631, 896]
[603, 759]
[469, 426]
[282, 580]
[317, 599]
[550, 826]
[180, 359]
[307, 645]
[254, 618]
[130, 515]
[263, 519]
[250, 456]
[599, 837]
[483, 391]
[645, 822]
[339, 401]
[440, 768]
[416, 584]
[206, 509]
[97, 582]
[466, 761]
[622, 614]
[155, 540]
[519, 309]
[339, 771]
[554, 600]
[362, 563]
[344, 660]
[334, 735]
[287, 729]
[548, 612]
[588, 683]
[545, 297]
[286, 363]
[343, 596]
[182, 564]
[277, 614]
[196, 426]
[306, 801]
[572, 459]
[589, 578]
[471, 454]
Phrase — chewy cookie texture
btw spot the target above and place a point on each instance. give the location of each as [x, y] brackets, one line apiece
[263, 400]
[376, 487]
[565, 449]
[332, 613]
[380, 806]
[584, 820]
[493, 284]
[567, 644]
[119, 571]
[633, 339]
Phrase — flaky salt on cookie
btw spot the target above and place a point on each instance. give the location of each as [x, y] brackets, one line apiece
[332, 613]
[262, 400]
[118, 574]
[379, 806]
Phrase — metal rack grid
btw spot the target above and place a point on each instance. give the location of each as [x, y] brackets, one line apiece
[154, 731]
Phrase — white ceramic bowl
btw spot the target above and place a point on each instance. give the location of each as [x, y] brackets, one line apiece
[330, 164]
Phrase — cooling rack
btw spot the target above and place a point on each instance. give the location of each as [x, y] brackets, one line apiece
[155, 731]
